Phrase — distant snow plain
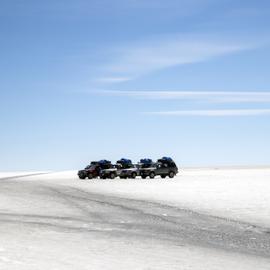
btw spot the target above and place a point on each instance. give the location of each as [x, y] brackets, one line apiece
[205, 218]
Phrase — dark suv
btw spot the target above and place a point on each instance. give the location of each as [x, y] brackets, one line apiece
[163, 167]
[146, 165]
[126, 169]
[93, 170]
[109, 172]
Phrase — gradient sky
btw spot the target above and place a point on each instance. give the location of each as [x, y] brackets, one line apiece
[90, 79]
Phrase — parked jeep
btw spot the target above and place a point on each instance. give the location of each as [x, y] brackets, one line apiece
[93, 170]
[163, 167]
[110, 172]
[126, 169]
[146, 165]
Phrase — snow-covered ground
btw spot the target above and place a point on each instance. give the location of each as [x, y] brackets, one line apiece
[202, 219]
[15, 174]
[9, 174]
[240, 194]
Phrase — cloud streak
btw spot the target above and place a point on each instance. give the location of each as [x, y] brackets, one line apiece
[140, 58]
[200, 96]
[113, 79]
[213, 113]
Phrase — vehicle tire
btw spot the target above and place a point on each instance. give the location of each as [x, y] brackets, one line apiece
[152, 175]
[90, 176]
[163, 176]
[133, 175]
[112, 175]
[82, 177]
[143, 176]
[171, 174]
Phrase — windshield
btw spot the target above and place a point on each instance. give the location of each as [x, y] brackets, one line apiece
[89, 167]
[147, 165]
[127, 166]
[106, 166]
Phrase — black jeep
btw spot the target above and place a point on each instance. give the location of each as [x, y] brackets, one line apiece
[163, 167]
[126, 169]
[146, 165]
[109, 172]
[93, 170]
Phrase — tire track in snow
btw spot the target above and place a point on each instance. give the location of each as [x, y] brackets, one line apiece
[129, 218]
[149, 219]
[20, 176]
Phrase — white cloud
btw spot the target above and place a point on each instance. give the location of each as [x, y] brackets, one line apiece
[162, 52]
[202, 96]
[213, 113]
[113, 79]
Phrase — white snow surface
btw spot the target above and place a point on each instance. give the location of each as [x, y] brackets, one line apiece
[18, 173]
[233, 193]
[27, 243]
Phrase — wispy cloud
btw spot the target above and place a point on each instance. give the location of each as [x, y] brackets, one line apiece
[201, 96]
[113, 79]
[213, 113]
[143, 57]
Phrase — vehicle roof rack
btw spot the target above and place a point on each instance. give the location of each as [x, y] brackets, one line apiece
[124, 160]
[94, 162]
[167, 159]
[146, 160]
[104, 161]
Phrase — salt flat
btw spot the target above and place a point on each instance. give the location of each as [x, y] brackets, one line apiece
[202, 219]
[240, 194]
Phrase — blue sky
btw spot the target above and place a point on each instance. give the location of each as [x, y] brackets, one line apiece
[85, 80]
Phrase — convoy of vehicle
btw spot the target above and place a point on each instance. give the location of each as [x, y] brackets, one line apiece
[124, 168]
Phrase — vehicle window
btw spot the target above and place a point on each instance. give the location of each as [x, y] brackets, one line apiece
[146, 165]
